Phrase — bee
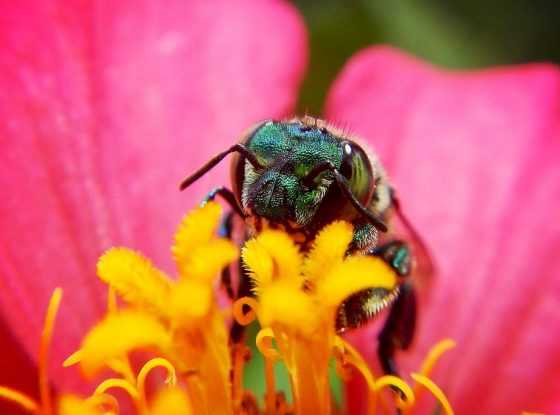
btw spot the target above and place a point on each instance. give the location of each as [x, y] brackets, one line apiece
[299, 175]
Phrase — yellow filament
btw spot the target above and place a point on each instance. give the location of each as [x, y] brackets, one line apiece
[19, 398]
[354, 358]
[147, 368]
[430, 361]
[435, 390]
[110, 383]
[264, 344]
[240, 354]
[270, 397]
[108, 402]
[435, 353]
[398, 383]
[73, 359]
[240, 316]
[46, 336]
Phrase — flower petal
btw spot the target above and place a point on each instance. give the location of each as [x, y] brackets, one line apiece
[106, 106]
[474, 157]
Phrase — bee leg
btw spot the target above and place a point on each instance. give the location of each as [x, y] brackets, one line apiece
[396, 254]
[237, 331]
[227, 195]
[398, 331]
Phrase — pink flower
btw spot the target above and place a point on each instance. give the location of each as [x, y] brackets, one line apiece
[106, 106]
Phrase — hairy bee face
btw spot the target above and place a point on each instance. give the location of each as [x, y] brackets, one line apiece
[291, 186]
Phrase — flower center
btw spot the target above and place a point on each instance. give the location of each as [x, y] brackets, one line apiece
[181, 329]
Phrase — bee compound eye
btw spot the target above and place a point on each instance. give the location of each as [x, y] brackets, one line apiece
[346, 165]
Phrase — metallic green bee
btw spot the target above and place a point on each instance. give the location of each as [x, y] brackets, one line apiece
[300, 175]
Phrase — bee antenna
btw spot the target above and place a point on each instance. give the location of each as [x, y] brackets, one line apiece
[236, 148]
[345, 188]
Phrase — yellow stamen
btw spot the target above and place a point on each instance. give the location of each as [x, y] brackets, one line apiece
[181, 323]
[197, 228]
[284, 303]
[353, 275]
[329, 248]
[270, 394]
[46, 336]
[135, 279]
[435, 390]
[118, 334]
[121, 365]
[401, 385]
[239, 314]
[73, 359]
[190, 301]
[271, 355]
[171, 378]
[272, 255]
[241, 354]
[171, 401]
[21, 399]
[72, 405]
[264, 344]
[208, 260]
[431, 359]
[111, 383]
[434, 354]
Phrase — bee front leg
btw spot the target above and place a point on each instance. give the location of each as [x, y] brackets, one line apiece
[227, 195]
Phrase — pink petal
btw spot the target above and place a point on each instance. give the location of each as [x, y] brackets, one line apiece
[475, 159]
[105, 107]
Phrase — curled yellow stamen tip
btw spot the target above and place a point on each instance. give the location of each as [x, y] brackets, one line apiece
[435, 353]
[435, 390]
[264, 344]
[401, 385]
[46, 336]
[19, 398]
[73, 359]
[170, 380]
[112, 383]
[240, 315]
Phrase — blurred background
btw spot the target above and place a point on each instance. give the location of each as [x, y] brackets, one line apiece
[453, 34]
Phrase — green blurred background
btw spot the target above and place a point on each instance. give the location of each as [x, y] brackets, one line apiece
[454, 34]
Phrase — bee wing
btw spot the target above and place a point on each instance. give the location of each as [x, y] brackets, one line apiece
[424, 268]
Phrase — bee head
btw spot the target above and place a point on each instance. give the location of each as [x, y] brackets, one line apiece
[303, 167]
[300, 172]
